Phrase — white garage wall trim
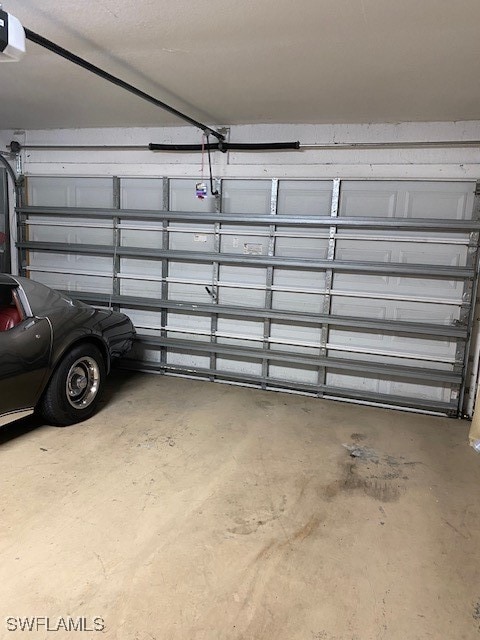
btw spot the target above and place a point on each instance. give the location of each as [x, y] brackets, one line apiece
[4, 222]
[353, 289]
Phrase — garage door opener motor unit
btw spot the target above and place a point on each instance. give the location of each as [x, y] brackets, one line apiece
[12, 38]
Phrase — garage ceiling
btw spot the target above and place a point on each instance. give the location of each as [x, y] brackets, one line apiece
[315, 61]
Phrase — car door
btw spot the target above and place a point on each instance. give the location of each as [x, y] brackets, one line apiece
[24, 363]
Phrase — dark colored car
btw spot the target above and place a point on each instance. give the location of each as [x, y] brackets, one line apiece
[55, 352]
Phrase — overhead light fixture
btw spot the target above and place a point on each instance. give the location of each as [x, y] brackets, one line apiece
[12, 38]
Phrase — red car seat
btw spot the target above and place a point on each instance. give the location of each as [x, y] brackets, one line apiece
[9, 318]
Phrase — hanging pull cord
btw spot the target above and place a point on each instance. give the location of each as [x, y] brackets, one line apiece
[213, 191]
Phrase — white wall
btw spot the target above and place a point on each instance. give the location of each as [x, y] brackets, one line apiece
[5, 138]
[438, 163]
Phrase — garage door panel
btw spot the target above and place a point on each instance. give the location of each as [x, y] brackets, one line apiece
[188, 292]
[70, 192]
[250, 244]
[201, 240]
[41, 195]
[213, 290]
[438, 289]
[433, 287]
[305, 302]
[354, 307]
[240, 341]
[429, 313]
[232, 327]
[71, 234]
[235, 294]
[302, 247]
[69, 282]
[395, 388]
[139, 267]
[345, 381]
[409, 253]
[406, 310]
[407, 346]
[428, 392]
[361, 283]
[189, 270]
[141, 193]
[397, 235]
[197, 336]
[142, 318]
[386, 199]
[295, 334]
[148, 238]
[448, 256]
[241, 297]
[304, 197]
[187, 322]
[290, 373]
[246, 196]
[141, 353]
[439, 201]
[182, 197]
[96, 195]
[241, 365]
[299, 278]
[245, 275]
[68, 261]
[437, 350]
[295, 349]
[357, 339]
[141, 288]
[186, 358]
[369, 200]
[381, 356]
[367, 252]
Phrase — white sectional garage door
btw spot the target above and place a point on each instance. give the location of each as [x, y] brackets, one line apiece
[350, 289]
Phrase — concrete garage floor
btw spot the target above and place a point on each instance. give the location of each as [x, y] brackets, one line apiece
[198, 511]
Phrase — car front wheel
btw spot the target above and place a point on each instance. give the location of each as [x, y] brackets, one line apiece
[73, 392]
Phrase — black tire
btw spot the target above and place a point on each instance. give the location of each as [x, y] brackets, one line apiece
[66, 401]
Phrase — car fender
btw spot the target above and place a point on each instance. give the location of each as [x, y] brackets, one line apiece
[60, 349]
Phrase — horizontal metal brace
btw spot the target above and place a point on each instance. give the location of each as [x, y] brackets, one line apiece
[408, 144]
[319, 146]
[325, 390]
[395, 326]
[336, 364]
[307, 233]
[281, 220]
[340, 293]
[346, 266]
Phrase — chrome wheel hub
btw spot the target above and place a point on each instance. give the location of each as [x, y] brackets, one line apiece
[83, 382]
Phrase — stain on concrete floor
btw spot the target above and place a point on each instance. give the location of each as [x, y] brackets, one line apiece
[380, 476]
